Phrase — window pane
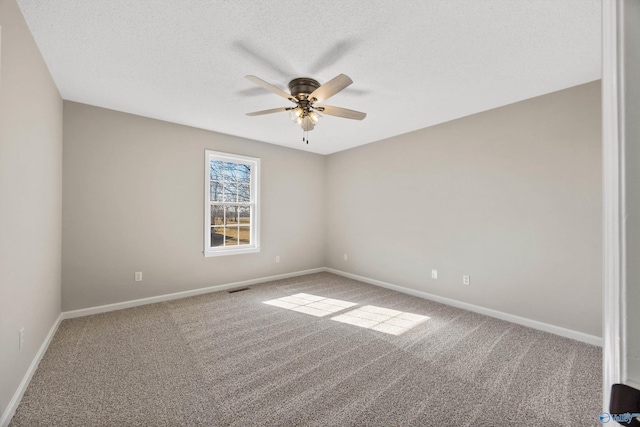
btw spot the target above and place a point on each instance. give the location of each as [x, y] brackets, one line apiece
[244, 214]
[216, 191]
[245, 235]
[232, 196]
[232, 215]
[231, 234]
[217, 213]
[217, 238]
[215, 170]
[244, 173]
[244, 191]
[230, 171]
[230, 192]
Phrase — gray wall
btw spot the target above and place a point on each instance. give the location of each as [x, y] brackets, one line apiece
[30, 199]
[511, 197]
[133, 197]
[631, 130]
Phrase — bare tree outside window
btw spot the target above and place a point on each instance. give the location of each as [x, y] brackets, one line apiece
[230, 194]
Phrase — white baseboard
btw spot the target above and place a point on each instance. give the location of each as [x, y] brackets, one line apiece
[17, 396]
[557, 330]
[177, 295]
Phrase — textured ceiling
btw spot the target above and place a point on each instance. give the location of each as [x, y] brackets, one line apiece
[414, 64]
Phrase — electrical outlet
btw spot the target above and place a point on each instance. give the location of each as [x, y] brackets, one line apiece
[278, 258]
[138, 276]
[21, 339]
[434, 274]
[345, 257]
[466, 280]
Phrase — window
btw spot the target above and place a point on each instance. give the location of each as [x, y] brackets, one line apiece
[231, 218]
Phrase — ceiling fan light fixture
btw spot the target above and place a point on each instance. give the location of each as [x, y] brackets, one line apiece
[295, 114]
[315, 117]
[307, 123]
[304, 118]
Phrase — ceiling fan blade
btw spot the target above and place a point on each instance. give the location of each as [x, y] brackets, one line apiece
[272, 88]
[341, 112]
[331, 87]
[273, 110]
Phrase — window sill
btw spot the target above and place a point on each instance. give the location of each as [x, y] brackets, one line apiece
[225, 252]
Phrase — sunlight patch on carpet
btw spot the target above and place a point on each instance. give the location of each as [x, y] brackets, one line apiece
[381, 319]
[311, 304]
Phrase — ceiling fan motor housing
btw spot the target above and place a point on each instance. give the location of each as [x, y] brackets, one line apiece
[303, 85]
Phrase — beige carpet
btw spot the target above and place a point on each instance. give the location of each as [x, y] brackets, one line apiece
[231, 359]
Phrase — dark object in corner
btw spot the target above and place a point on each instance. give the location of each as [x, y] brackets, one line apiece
[625, 400]
[238, 290]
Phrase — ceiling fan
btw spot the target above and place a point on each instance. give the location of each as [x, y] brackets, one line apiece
[305, 93]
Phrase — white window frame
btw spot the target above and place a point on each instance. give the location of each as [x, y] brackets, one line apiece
[254, 202]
